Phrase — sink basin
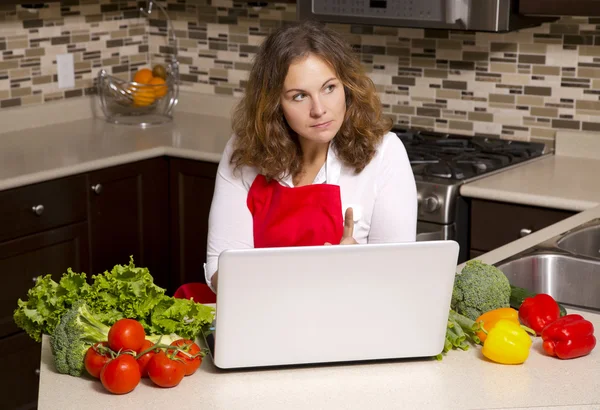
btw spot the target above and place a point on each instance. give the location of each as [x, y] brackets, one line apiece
[584, 242]
[570, 280]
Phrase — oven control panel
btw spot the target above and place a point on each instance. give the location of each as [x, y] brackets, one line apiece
[406, 9]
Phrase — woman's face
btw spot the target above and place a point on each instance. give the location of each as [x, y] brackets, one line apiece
[313, 100]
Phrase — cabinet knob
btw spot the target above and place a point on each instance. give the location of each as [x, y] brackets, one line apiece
[37, 372]
[97, 189]
[34, 279]
[38, 209]
[524, 232]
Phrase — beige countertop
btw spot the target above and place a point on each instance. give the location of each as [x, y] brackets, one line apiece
[50, 151]
[567, 180]
[462, 380]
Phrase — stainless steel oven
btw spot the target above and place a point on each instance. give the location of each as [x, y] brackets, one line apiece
[442, 163]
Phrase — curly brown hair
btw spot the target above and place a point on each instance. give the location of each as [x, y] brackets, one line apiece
[265, 140]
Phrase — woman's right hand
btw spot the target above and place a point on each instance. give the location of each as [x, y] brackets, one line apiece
[348, 234]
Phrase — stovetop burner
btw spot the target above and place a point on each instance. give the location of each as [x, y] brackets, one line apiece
[454, 157]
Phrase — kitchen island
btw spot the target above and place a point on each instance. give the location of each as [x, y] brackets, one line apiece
[462, 380]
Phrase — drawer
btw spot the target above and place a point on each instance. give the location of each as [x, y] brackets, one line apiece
[20, 363]
[59, 202]
[494, 224]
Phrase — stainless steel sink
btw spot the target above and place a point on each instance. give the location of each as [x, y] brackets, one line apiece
[567, 267]
[584, 242]
[566, 278]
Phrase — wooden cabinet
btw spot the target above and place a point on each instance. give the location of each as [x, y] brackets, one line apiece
[38, 207]
[155, 210]
[21, 260]
[494, 224]
[192, 185]
[128, 216]
[20, 360]
[560, 7]
[45, 253]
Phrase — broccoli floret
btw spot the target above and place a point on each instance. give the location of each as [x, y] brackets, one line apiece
[479, 288]
[77, 330]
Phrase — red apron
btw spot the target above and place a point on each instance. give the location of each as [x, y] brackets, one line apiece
[282, 216]
[302, 216]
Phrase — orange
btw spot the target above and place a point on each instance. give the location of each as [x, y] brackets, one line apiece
[143, 76]
[142, 96]
[160, 87]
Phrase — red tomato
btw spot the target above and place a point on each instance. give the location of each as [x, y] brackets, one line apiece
[126, 334]
[96, 357]
[143, 360]
[191, 363]
[121, 375]
[164, 371]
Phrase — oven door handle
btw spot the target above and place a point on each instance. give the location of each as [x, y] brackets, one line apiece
[427, 231]
[431, 236]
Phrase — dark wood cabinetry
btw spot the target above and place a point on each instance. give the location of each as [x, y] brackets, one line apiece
[155, 210]
[128, 215]
[560, 7]
[20, 360]
[192, 186]
[494, 224]
[22, 260]
[42, 206]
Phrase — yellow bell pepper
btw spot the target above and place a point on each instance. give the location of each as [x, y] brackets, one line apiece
[507, 343]
[492, 317]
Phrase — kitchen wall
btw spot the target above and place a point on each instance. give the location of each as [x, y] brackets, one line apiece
[99, 33]
[517, 85]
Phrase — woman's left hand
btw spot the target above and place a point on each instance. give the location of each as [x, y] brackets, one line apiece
[348, 234]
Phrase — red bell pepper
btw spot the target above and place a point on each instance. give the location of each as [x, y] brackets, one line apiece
[569, 337]
[539, 311]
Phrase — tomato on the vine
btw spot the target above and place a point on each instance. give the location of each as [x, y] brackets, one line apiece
[193, 358]
[145, 358]
[126, 334]
[164, 370]
[121, 375]
[96, 357]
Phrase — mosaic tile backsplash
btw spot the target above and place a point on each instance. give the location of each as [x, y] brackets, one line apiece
[100, 34]
[519, 85]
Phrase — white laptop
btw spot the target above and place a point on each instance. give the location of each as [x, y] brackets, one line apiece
[324, 304]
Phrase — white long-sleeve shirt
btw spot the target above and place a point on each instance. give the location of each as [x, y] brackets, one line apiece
[383, 197]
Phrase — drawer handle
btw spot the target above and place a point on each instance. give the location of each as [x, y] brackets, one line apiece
[97, 189]
[38, 209]
[524, 232]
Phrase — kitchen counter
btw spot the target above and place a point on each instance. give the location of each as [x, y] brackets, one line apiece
[57, 150]
[567, 180]
[462, 380]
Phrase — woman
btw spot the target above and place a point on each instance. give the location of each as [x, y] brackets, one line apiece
[312, 161]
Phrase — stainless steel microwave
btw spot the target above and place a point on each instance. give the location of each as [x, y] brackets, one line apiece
[474, 15]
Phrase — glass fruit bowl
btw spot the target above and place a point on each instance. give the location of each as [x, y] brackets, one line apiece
[148, 100]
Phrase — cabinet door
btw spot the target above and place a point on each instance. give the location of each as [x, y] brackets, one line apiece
[560, 7]
[192, 187]
[129, 210]
[494, 224]
[20, 363]
[24, 259]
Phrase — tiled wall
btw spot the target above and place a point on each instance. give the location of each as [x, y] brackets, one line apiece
[99, 33]
[516, 85]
